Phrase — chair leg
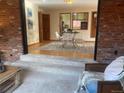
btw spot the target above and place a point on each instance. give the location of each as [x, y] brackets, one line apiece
[74, 43]
[57, 43]
[63, 44]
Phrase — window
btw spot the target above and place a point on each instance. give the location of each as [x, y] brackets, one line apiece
[80, 21]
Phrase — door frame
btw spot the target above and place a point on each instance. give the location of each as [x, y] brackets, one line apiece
[97, 30]
[23, 26]
[40, 26]
[24, 33]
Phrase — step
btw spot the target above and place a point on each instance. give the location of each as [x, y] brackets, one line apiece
[44, 59]
[51, 68]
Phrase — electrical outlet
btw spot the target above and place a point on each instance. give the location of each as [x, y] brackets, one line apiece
[14, 50]
[116, 52]
[11, 55]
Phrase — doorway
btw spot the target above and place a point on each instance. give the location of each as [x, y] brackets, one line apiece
[93, 24]
[44, 27]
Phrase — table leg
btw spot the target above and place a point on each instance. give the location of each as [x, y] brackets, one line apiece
[74, 41]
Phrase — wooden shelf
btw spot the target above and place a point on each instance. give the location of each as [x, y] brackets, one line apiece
[10, 79]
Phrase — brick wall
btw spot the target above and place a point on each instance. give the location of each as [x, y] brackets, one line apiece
[10, 36]
[110, 30]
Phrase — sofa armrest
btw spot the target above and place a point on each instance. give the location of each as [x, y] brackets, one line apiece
[97, 67]
[109, 86]
[118, 91]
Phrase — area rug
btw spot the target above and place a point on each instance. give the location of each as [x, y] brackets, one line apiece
[37, 82]
[45, 74]
[48, 78]
[86, 48]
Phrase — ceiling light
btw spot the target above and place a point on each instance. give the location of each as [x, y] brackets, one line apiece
[44, 0]
[68, 1]
[74, 14]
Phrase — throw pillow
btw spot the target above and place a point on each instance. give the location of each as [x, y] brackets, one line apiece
[113, 70]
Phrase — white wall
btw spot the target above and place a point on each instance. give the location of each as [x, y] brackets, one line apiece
[32, 35]
[54, 23]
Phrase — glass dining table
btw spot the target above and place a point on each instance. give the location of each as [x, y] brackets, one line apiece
[69, 37]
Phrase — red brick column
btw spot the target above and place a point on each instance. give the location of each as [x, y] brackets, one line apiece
[110, 30]
[10, 36]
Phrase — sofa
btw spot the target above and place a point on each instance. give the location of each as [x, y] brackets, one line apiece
[102, 77]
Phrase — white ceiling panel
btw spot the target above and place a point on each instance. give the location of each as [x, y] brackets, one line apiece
[54, 4]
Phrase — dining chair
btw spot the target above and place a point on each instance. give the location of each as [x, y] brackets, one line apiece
[58, 36]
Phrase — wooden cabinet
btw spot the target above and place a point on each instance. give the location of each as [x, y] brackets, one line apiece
[10, 79]
[93, 24]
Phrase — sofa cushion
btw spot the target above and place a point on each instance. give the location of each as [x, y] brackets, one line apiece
[92, 86]
[90, 79]
[113, 70]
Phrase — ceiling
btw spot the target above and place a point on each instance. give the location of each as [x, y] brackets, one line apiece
[60, 4]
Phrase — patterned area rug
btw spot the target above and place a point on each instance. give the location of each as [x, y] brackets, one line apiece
[87, 48]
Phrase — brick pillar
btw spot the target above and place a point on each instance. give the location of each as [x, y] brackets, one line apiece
[110, 30]
[10, 36]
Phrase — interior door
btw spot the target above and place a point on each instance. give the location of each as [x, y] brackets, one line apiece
[93, 24]
[46, 26]
[40, 27]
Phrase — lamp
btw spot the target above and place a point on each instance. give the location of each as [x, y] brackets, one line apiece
[68, 1]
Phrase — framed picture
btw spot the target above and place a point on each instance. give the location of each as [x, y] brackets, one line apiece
[29, 12]
[30, 24]
[29, 19]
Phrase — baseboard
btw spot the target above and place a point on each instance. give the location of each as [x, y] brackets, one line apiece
[33, 44]
[79, 41]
